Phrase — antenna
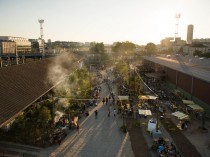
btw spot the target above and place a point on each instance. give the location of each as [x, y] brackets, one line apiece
[41, 21]
[177, 16]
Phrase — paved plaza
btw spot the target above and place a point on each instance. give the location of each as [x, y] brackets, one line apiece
[99, 136]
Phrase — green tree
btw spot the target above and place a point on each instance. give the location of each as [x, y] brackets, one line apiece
[207, 55]
[122, 48]
[32, 125]
[97, 48]
[150, 49]
[122, 70]
[198, 53]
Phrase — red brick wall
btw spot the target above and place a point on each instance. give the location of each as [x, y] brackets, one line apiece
[184, 81]
[171, 75]
[201, 90]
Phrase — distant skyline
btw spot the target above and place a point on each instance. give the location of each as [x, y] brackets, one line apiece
[108, 21]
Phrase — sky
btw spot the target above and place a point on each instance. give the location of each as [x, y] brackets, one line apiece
[108, 21]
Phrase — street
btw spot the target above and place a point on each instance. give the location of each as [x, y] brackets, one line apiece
[99, 136]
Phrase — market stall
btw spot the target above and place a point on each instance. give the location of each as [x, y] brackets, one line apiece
[196, 108]
[145, 112]
[188, 102]
[147, 97]
[180, 115]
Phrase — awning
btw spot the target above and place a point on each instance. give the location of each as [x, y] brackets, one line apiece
[180, 115]
[145, 112]
[123, 98]
[196, 107]
[188, 102]
[146, 97]
[143, 97]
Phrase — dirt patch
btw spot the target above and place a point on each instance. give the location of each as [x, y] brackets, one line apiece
[138, 143]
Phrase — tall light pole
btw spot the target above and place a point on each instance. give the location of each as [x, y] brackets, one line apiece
[41, 21]
[178, 16]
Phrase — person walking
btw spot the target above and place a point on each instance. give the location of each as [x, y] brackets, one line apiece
[106, 100]
[77, 127]
[108, 112]
[96, 114]
[103, 100]
[114, 112]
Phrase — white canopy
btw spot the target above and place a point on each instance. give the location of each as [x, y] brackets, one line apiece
[188, 102]
[180, 115]
[146, 97]
[196, 107]
[145, 112]
[123, 98]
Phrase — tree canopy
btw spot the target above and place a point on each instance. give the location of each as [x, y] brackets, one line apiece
[97, 48]
[150, 48]
[123, 48]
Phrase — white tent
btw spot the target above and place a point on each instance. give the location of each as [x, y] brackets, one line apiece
[145, 112]
[196, 107]
[180, 115]
[146, 97]
[123, 98]
[188, 102]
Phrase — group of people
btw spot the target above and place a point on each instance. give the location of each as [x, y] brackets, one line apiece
[165, 150]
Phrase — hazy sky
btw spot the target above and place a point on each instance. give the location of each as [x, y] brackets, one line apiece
[138, 21]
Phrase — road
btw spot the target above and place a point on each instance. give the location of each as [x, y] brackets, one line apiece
[98, 137]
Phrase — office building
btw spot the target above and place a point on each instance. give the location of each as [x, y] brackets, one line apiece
[7, 47]
[22, 44]
[189, 34]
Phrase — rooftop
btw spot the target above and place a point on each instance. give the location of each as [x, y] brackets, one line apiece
[189, 65]
[22, 85]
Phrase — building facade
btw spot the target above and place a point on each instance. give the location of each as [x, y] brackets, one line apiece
[189, 34]
[23, 45]
[36, 46]
[7, 47]
[191, 49]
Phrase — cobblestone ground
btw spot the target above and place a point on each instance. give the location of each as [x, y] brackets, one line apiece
[98, 137]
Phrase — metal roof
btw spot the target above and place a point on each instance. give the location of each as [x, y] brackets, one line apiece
[192, 66]
[22, 85]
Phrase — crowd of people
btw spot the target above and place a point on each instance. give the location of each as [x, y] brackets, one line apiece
[164, 149]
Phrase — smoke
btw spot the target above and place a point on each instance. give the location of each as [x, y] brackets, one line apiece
[59, 70]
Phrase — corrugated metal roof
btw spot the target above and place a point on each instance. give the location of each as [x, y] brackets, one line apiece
[21, 85]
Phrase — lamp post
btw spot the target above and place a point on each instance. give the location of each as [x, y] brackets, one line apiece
[16, 54]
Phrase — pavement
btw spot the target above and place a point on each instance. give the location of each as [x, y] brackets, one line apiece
[99, 136]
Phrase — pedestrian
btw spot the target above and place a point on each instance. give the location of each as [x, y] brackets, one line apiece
[103, 100]
[77, 127]
[114, 112]
[108, 112]
[59, 140]
[106, 100]
[96, 113]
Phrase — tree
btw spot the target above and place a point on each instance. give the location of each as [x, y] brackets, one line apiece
[122, 48]
[32, 125]
[122, 69]
[197, 53]
[97, 48]
[150, 48]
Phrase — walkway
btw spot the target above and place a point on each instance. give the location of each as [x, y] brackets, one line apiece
[99, 136]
